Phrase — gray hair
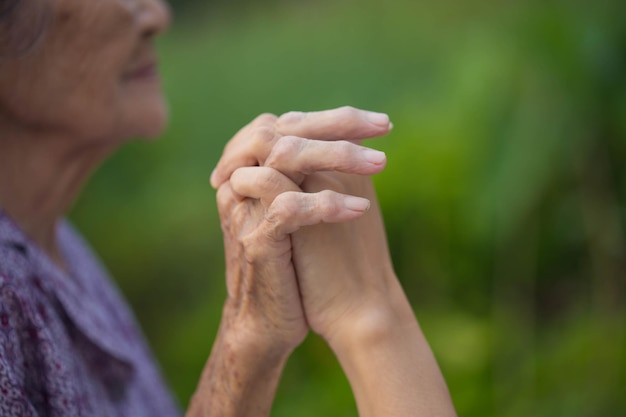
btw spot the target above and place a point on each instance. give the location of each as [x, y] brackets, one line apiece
[22, 25]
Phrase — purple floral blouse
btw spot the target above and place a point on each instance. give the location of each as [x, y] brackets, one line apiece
[69, 345]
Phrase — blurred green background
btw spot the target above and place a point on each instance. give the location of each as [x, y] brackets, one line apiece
[504, 196]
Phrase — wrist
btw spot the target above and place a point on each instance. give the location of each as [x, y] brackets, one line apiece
[250, 337]
[388, 362]
[373, 321]
[371, 328]
[241, 374]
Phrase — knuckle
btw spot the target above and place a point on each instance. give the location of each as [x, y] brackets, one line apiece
[271, 233]
[286, 148]
[249, 243]
[229, 218]
[347, 156]
[225, 197]
[344, 147]
[283, 208]
[262, 134]
[289, 118]
[327, 203]
[264, 119]
[260, 141]
[238, 173]
[278, 211]
[348, 111]
[252, 248]
[238, 215]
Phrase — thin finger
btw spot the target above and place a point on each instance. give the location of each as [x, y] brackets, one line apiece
[227, 199]
[261, 183]
[292, 210]
[243, 151]
[344, 123]
[297, 157]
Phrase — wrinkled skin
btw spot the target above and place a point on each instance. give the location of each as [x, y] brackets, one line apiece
[306, 249]
[88, 85]
[91, 52]
[312, 274]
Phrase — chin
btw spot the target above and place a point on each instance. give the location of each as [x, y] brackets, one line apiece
[147, 120]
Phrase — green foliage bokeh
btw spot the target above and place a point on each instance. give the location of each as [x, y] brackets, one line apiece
[504, 195]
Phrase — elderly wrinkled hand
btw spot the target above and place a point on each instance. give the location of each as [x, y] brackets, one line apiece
[278, 175]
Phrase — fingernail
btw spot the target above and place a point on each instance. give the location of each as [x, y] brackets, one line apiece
[373, 156]
[356, 203]
[379, 119]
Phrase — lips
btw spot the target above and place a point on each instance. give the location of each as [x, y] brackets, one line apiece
[144, 71]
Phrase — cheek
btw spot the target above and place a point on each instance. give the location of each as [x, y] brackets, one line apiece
[92, 48]
[74, 102]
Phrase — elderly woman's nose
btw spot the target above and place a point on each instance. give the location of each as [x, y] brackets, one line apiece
[154, 16]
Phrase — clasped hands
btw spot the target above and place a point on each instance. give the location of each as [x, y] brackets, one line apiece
[306, 249]
[290, 191]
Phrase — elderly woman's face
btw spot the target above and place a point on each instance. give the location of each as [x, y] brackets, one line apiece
[93, 74]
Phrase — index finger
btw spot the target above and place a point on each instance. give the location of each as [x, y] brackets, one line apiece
[246, 148]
